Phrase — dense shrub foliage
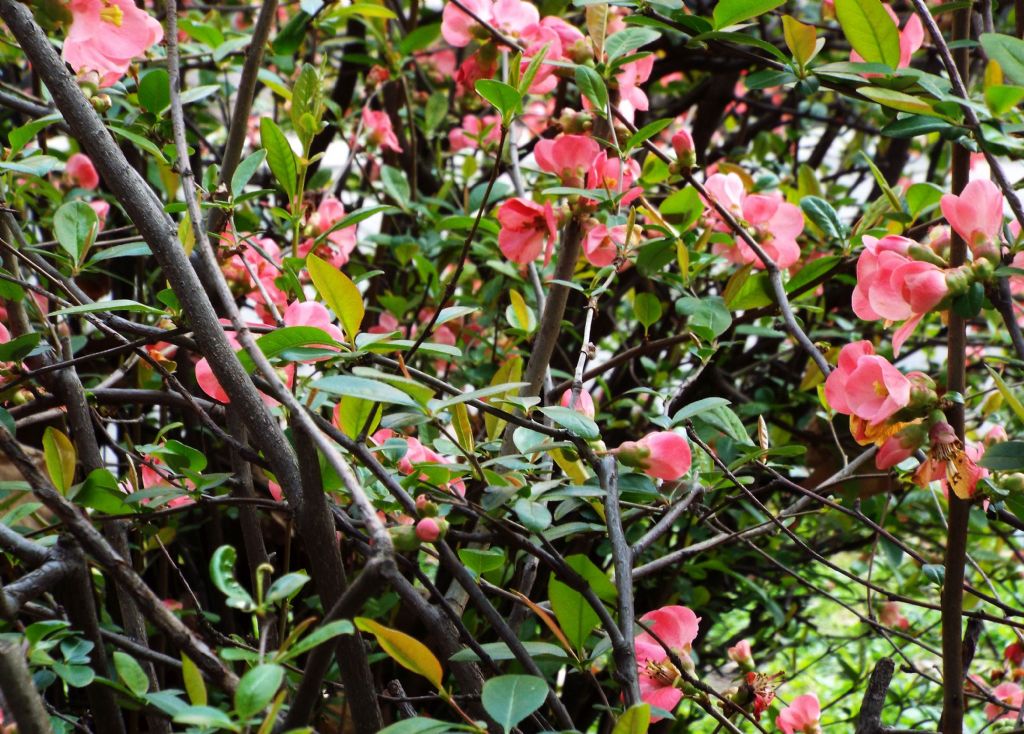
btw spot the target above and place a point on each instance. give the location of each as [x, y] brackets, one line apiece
[500, 365]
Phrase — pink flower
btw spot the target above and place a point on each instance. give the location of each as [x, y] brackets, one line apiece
[776, 222]
[476, 132]
[340, 243]
[977, 213]
[584, 403]
[1011, 695]
[509, 16]
[311, 313]
[676, 627]
[82, 172]
[536, 38]
[615, 176]
[568, 156]
[661, 455]
[899, 447]
[631, 79]
[416, 453]
[892, 286]
[210, 385]
[601, 244]
[525, 228]
[891, 616]
[105, 36]
[379, 132]
[801, 716]
[102, 209]
[866, 385]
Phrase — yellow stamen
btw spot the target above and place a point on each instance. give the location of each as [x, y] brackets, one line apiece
[112, 14]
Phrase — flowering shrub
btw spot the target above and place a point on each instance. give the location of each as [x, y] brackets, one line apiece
[504, 365]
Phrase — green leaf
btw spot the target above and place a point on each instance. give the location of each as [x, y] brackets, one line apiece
[1004, 456]
[307, 104]
[648, 309]
[898, 100]
[533, 515]
[36, 165]
[870, 30]
[824, 216]
[155, 90]
[683, 207]
[731, 12]
[482, 560]
[573, 421]
[285, 586]
[698, 406]
[505, 98]
[628, 40]
[501, 651]
[340, 294]
[509, 699]
[145, 143]
[801, 40]
[914, 125]
[120, 304]
[572, 611]
[418, 725]
[246, 170]
[20, 347]
[647, 132]
[1008, 51]
[813, 270]
[100, 492]
[222, 573]
[636, 720]
[131, 673]
[280, 156]
[395, 184]
[407, 651]
[195, 686]
[257, 688]
[592, 87]
[1008, 395]
[205, 717]
[708, 317]
[20, 136]
[75, 225]
[321, 635]
[361, 387]
[286, 339]
[60, 458]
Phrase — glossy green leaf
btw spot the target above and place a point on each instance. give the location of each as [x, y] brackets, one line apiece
[405, 650]
[131, 673]
[280, 156]
[257, 688]
[222, 573]
[870, 30]
[509, 699]
[60, 458]
[731, 12]
[339, 293]
[75, 225]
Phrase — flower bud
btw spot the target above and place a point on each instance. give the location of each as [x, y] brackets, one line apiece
[430, 530]
[682, 144]
[741, 654]
[959, 280]
[404, 537]
[100, 102]
[926, 254]
[660, 455]
[425, 506]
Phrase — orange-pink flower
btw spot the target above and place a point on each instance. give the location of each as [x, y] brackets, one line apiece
[1011, 695]
[568, 156]
[676, 627]
[660, 455]
[526, 227]
[801, 716]
[976, 214]
[81, 171]
[866, 385]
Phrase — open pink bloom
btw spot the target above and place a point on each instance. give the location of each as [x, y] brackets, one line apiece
[568, 156]
[866, 385]
[510, 16]
[893, 287]
[801, 716]
[572, 40]
[81, 171]
[601, 244]
[977, 213]
[584, 403]
[416, 453]
[631, 78]
[472, 70]
[210, 385]
[1010, 694]
[105, 36]
[153, 477]
[776, 222]
[476, 132]
[661, 455]
[311, 313]
[340, 243]
[525, 228]
[535, 39]
[676, 627]
[379, 132]
[615, 176]
[911, 39]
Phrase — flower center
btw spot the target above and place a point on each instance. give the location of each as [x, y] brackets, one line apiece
[880, 389]
[112, 14]
[663, 673]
